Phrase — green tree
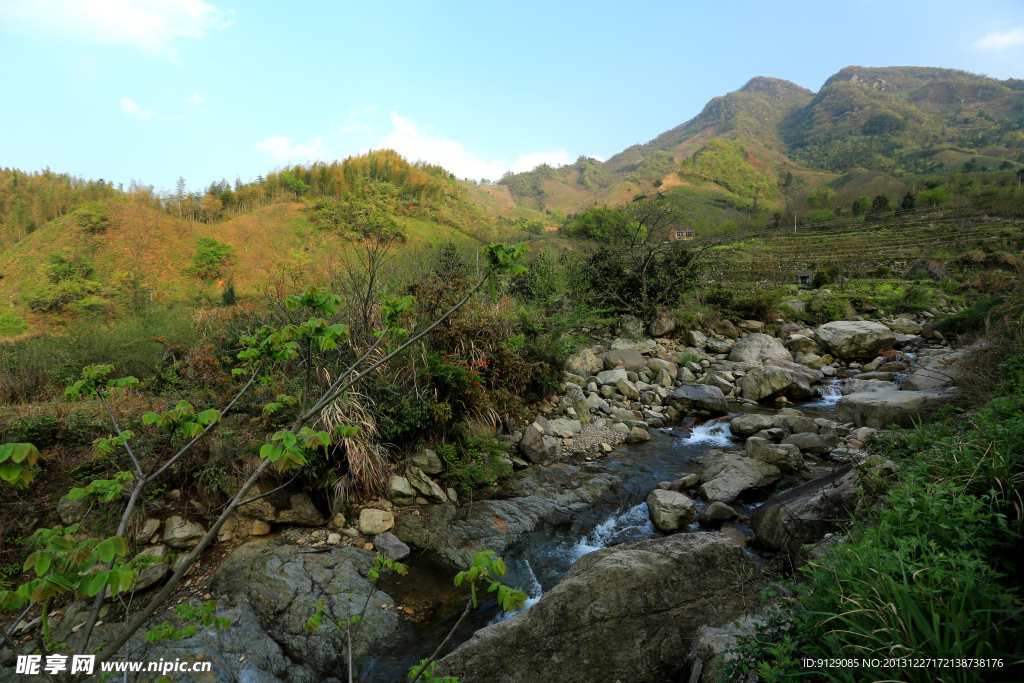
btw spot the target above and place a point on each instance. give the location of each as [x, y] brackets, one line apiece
[861, 205]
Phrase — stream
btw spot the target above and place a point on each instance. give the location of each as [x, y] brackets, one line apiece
[540, 562]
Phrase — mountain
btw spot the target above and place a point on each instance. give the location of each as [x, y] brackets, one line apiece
[864, 121]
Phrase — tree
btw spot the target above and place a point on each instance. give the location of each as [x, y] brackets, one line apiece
[907, 203]
[861, 205]
[879, 205]
[64, 566]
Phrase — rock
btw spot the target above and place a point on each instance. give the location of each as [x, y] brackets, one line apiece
[701, 397]
[561, 424]
[795, 306]
[733, 474]
[804, 514]
[148, 530]
[879, 410]
[750, 325]
[663, 324]
[181, 534]
[696, 339]
[757, 348]
[684, 483]
[425, 485]
[638, 603]
[767, 382]
[904, 326]
[713, 647]
[400, 491]
[536, 447]
[612, 376]
[857, 385]
[372, 521]
[862, 434]
[638, 435]
[627, 389]
[658, 364]
[812, 361]
[426, 460]
[630, 326]
[716, 513]
[288, 506]
[808, 442]
[715, 346]
[333, 539]
[784, 456]
[72, 511]
[259, 528]
[279, 585]
[939, 371]
[750, 424]
[628, 359]
[928, 268]
[854, 339]
[670, 510]
[338, 521]
[389, 544]
[798, 343]
[638, 345]
[154, 572]
[453, 496]
[726, 328]
[585, 363]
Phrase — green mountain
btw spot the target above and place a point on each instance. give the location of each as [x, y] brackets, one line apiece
[890, 121]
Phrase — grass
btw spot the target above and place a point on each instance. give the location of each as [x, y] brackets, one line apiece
[11, 324]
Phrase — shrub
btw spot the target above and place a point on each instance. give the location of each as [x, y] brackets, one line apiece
[209, 259]
[972, 321]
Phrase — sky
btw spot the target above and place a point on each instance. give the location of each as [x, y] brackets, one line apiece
[154, 90]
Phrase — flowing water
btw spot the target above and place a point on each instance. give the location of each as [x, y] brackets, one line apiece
[539, 563]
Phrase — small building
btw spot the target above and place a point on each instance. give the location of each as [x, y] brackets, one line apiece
[680, 232]
[804, 278]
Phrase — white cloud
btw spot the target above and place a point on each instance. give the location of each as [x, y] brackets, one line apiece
[408, 139]
[195, 98]
[149, 25]
[283, 148]
[1001, 40]
[132, 108]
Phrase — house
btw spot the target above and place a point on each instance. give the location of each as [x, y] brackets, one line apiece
[680, 232]
[804, 278]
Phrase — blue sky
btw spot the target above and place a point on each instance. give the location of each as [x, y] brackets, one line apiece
[152, 90]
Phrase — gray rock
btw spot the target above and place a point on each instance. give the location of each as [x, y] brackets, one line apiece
[794, 424]
[562, 424]
[400, 491]
[287, 506]
[904, 326]
[638, 435]
[750, 424]
[181, 534]
[854, 339]
[809, 443]
[670, 510]
[611, 376]
[796, 306]
[701, 397]
[857, 385]
[657, 364]
[696, 339]
[148, 530]
[585, 363]
[639, 605]
[662, 324]
[373, 521]
[733, 474]
[757, 348]
[716, 513]
[804, 514]
[764, 383]
[880, 410]
[627, 389]
[784, 456]
[714, 647]
[425, 485]
[72, 511]
[535, 446]
[389, 544]
[630, 326]
[154, 572]
[715, 346]
[939, 371]
[628, 359]
[426, 460]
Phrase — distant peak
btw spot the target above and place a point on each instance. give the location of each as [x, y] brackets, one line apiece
[767, 84]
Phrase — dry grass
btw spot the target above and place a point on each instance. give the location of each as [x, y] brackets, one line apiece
[368, 466]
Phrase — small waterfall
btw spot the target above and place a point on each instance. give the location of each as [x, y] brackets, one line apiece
[712, 433]
[535, 591]
[828, 393]
[631, 525]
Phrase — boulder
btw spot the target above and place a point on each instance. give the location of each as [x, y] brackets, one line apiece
[287, 506]
[637, 435]
[766, 382]
[730, 475]
[425, 485]
[904, 326]
[629, 360]
[148, 530]
[154, 572]
[638, 345]
[659, 364]
[928, 268]
[563, 424]
[701, 397]
[627, 389]
[716, 513]
[662, 324]
[750, 325]
[612, 376]
[72, 511]
[627, 612]
[806, 513]
[389, 544]
[670, 510]
[857, 385]
[715, 346]
[373, 521]
[809, 442]
[796, 306]
[784, 456]
[880, 410]
[798, 343]
[535, 446]
[696, 339]
[426, 460]
[757, 348]
[726, 328]
[750, 424]
[939, 371]
[801, 375]
[630, 326]
[585, 363]
[182, 534]
[400, 491]
[854, 339]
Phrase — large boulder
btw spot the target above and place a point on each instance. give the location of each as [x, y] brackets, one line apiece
[939, 371]
[806, 513]
[400, 491]
[701, 397]
[904, 326]
[809, 442]
[425, 485]
[857, 385]
[624, 613]
[182, 534]
[731, 474]
[750, 424]
[630, 326]
[786, 457]
[662, 324]
[803, 377]
[766, 382]
[696, 339]
[155, 571]
[585, 363]
[879, 410]
[612, 376]
[854, 339]
[535, 446]
[630, 360]
[757, 348]
[427, 460]
[670, 510]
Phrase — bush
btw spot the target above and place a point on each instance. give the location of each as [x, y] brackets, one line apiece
[209, 259]
[972, 321]
[476, 462]
[757, 304]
